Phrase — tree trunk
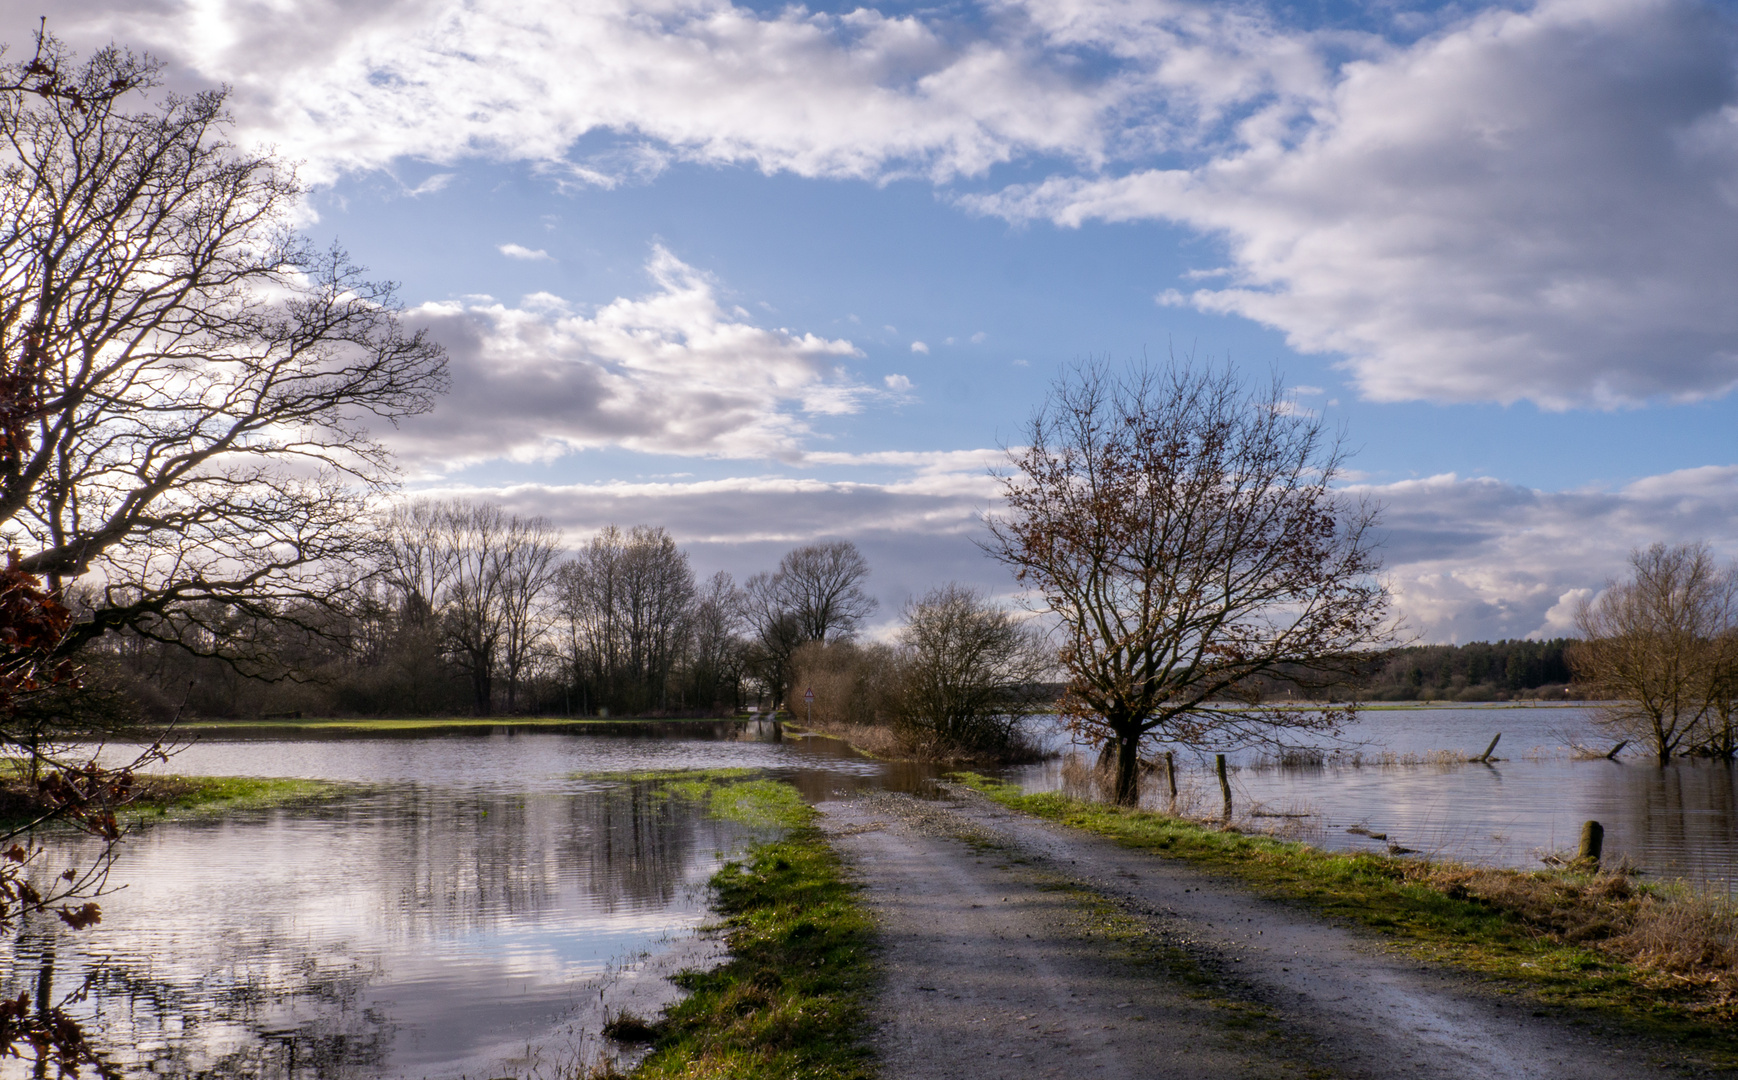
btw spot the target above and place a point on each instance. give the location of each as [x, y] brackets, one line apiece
[1128, 791]
[481, 691]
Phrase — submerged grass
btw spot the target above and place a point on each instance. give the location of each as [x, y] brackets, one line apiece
[1660, 960]
[175, 797]
[182, 796]
[763, 804]
[654, 776]
[792, 999]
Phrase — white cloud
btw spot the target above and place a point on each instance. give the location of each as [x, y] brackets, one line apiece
[916, 534]
[672, 372]
[1526, 204]
[1533, 205]
[437, 182]
[919, 347]
[979, 338]
[1468, 559]
[1473, 559]
[347, 85]
[515, 251]
[899, 384]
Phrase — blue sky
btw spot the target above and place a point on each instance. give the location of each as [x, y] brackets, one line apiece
[769, 274]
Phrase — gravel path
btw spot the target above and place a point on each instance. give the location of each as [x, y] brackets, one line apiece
[996, 967]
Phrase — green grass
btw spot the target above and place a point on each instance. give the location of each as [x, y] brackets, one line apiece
[761, 804]
[792, 999]
[190, 796]
[1389, 896]
[159, 798]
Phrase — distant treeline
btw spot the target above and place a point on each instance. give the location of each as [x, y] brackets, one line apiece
[1477, 671]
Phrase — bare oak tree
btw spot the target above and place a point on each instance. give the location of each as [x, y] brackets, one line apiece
[185, 394]
[201, 382]
[1186, 537]
[1660, 648]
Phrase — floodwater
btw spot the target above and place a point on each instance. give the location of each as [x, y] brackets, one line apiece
[1680, 821]
[451, 921]
[445, 924]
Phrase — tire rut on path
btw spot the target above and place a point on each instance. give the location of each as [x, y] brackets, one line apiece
[991, 969]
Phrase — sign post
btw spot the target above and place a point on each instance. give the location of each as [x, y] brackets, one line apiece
[809, 700]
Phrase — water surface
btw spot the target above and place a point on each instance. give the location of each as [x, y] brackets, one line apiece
[440, 925]
[1676, 821]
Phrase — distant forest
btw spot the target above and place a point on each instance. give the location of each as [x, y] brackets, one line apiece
[1478, 671]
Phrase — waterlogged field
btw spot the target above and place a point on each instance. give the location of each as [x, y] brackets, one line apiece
[449, 918]
[1400, 777]
[454, 909]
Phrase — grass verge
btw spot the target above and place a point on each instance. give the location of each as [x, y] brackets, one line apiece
[1659, 960]
[792, 999]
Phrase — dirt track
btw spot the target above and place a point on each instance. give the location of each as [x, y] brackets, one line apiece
[999, 963]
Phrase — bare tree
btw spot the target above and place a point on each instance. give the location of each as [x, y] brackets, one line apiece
[777, 634]
[822, 585]
[628, 599]
[816, 594]
[969, 671]
[1186, 537]
[200, 381]
[527, 571]
[473, 609]
[716, 666]
[1659, 647]
[496, 567]
[415, 557]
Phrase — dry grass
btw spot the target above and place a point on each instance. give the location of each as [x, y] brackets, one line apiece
[889, 743]
[1313, 758]
[1672, 931]
[872, 739]
[1198, 800]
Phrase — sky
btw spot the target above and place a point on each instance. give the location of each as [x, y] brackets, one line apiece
[765, 275]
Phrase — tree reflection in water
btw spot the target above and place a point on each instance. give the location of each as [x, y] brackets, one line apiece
[1676, 820]
[422, 930]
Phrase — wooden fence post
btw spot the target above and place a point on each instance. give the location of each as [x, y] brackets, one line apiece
[1592, 842]
[1485, 758]
[1224, 783]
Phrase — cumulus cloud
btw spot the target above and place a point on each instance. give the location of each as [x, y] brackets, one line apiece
[920, 347]
[916, 531]
[344, 84]
[516, 251]
[672, 372]
[1473, 559]
[1467, 558]
[1532, 205]
[899, 384]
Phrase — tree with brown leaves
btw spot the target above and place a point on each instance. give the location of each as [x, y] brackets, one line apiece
[1186, 538]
